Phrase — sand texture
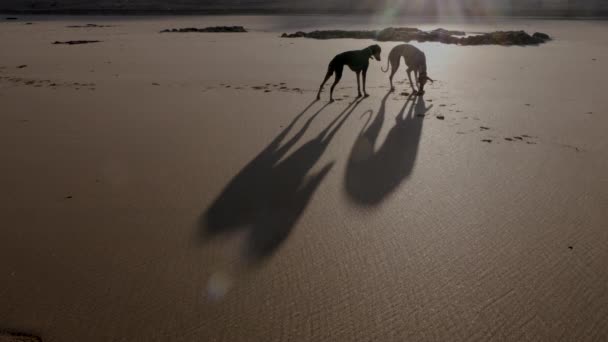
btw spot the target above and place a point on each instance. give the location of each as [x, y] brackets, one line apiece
[186, 187]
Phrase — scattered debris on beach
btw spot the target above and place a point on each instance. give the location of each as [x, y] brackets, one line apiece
[22, 66]
[207, 29]
[77, 42]
[38, 83]
[11, 18]
[577, 149]
[407, 34]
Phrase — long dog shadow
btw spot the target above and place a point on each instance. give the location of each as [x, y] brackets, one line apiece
[269, 195]
[371, 175]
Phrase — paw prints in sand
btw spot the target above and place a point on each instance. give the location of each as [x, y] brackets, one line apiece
[522, 138]
[266, 88]
[280, 87]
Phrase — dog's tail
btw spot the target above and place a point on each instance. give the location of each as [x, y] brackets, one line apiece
[387, 62]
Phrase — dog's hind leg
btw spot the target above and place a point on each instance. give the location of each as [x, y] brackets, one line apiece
[338, 73]
[394, 67]
[330, 71]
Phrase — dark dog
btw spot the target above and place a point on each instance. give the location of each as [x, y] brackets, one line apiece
[415, 60]
[357, 61]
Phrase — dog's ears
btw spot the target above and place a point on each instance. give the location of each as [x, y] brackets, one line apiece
[374, 48]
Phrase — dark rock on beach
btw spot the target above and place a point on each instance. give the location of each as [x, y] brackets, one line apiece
[207, 29]
[540, 35]
[298, 34]
[332, 34]
[388, 34]
[502, 38]
[76, 42]
[88, 26]
[18, 337]
[407, 34]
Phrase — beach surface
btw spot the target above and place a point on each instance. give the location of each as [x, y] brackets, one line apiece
[187, 187]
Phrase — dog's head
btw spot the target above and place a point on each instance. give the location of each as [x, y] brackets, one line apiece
[422, 78]
[375, 51]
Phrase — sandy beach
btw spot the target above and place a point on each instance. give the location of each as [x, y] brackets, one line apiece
[187, 187]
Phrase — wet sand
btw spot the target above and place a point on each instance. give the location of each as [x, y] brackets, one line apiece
[185, 187]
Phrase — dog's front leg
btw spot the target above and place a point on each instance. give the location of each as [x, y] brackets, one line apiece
[418, 83]
[364, 78]
[409, 76]
[358, 84]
